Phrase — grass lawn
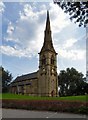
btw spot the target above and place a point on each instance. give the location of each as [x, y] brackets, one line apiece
[15, 96]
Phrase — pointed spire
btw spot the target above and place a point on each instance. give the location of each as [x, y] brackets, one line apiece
[47, 14]
[48, 21]
[47, 45]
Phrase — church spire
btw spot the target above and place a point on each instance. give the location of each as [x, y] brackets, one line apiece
[48, 21]
[47, 45]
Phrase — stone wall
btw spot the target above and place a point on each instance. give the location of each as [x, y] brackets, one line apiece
[29, 87]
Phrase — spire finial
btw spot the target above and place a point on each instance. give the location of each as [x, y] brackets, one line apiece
[47, 14]
[48, 21]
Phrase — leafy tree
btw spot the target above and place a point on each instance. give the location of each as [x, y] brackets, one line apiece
[72, 82]
[76, 10]
[6, 79]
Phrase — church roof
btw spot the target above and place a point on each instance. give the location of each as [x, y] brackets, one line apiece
[47, 45]
[26, 77]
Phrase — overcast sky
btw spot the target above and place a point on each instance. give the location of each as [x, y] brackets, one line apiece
[23, 26]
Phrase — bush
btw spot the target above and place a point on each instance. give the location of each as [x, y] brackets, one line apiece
[83, 109]
[50, 105]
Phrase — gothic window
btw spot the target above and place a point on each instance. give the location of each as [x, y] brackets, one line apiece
[43, 60]
[52, 60]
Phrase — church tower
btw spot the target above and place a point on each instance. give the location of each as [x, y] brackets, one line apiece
[48, 81]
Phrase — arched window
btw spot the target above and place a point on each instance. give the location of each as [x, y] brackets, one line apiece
[52, 60]
[43, 60]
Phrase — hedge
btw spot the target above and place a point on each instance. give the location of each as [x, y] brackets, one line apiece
[48, 105]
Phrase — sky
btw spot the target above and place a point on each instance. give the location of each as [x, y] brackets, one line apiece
[23, 25]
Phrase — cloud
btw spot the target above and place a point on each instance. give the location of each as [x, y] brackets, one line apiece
[2, 7]
[27, 30]
[72, 54]
[14, 52]
[69, 50]
[69, 43]
[28, 33]
[59, 18]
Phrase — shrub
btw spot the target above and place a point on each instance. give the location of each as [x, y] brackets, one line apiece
[50, 105]
[83, 109]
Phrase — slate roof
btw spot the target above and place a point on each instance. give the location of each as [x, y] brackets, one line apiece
[26, 77]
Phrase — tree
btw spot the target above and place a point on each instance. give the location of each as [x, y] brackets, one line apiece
[6, 79]
[72, 82]
[76, 10]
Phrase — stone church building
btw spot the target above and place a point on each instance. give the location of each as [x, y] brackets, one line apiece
[44, 82]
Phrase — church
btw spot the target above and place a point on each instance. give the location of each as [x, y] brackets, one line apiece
[43, 82]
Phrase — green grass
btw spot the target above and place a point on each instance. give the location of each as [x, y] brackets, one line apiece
[15, 96]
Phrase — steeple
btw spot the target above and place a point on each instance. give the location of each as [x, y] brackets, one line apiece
[48, 22]
[48, 79]
[47, 45]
